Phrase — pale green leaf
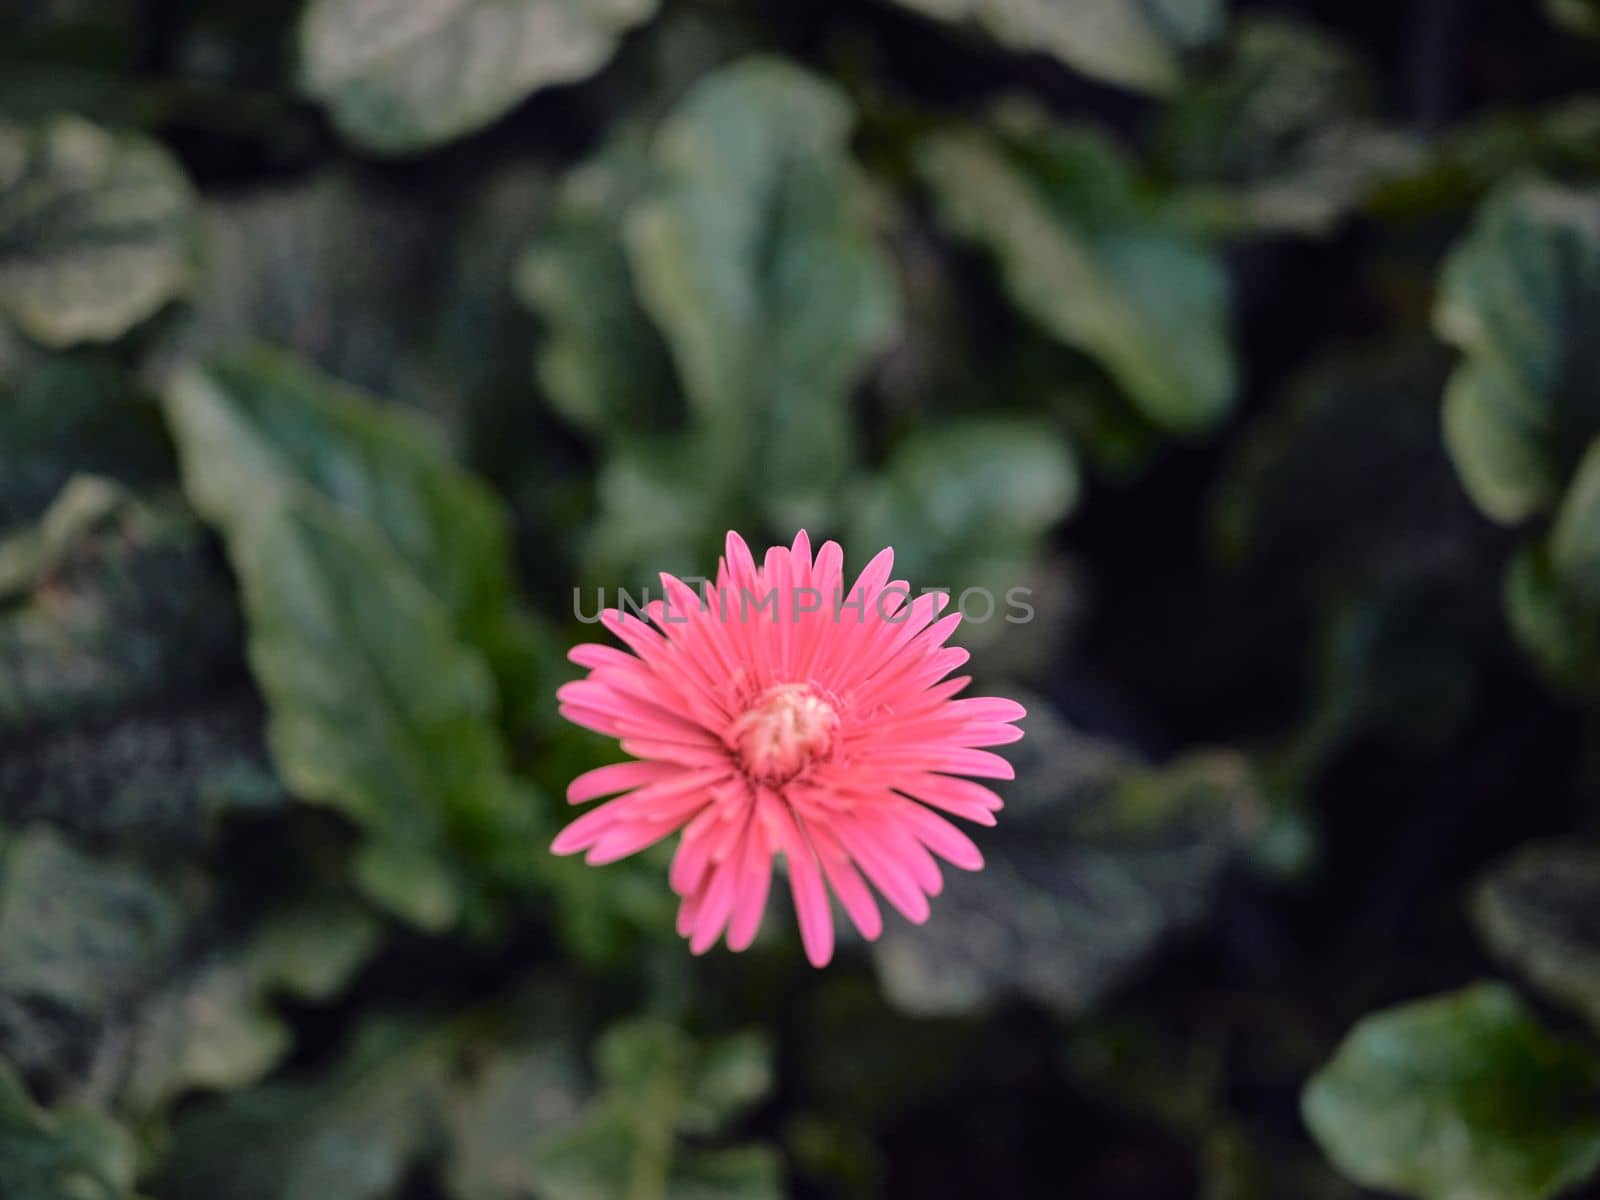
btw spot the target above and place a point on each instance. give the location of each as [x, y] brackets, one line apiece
[1539, 911]
[657, 1085]
[655, 514]
[757, 258]
[94, 230]
[1459, 1097]
[516, 1095]
[1135, 43]
[1088, 258]
[217, 1026]
[966, 503]
[401, 76]
[1575, 536]
[87, 502]
[1518, 297]
[603, 365]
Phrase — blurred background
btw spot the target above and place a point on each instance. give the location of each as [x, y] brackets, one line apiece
[341, 342]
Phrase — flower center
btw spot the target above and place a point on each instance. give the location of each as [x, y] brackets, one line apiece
[785, 730]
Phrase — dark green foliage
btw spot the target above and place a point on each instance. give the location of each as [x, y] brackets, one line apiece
[69, 1152]
[1252, 349]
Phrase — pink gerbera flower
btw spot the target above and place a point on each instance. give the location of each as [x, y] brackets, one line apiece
[776, 713]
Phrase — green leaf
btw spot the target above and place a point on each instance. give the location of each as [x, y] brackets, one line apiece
[603, 364]
[1134, 43]
[376, 582]
[1093, 263]
[1582, 16]
[103, 956]
[1561, 138]
[1283, 137]
[659, 510]
[1097, 862]
[83, 933]
[86, 503]
[258, 425]
[351, 1132]
[1459, 1097]
[217, 1026]
[1518, 297]
[131, 608]
[757, 260]
[377, 709]
[605, 367]
[401, 77]
[656, 1086]
[94, 230]
[332, 268]
[967, 502]
[1557, 629]
[60, 1154]
[1537, 911]
[1575, 536]
[481, 1085]
[515, 1095]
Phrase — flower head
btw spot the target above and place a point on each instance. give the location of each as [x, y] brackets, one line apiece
[779, 714]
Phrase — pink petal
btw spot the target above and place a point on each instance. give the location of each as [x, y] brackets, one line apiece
[847, 883]
[619, 777]
[587, 829]
[689, 912]
[625, 839]
[714, 911]
[806, 886]
[693, 855]
[750, 896]
[886, 875]
[943, 838]
[593, 654]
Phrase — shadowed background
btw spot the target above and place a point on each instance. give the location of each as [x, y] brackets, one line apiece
[343, 345]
